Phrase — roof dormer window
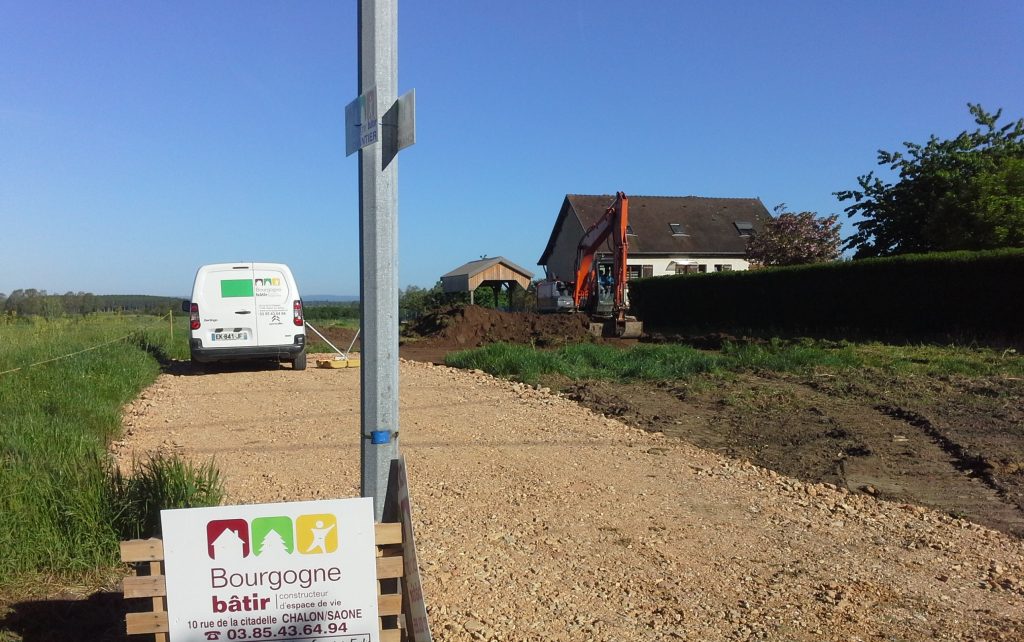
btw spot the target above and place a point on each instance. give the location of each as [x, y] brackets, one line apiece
[745, 228]
[677, 229]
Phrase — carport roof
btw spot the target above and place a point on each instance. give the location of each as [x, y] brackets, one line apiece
[476, 267]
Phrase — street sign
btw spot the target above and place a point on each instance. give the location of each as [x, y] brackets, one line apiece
[361, 122]
[274, 572]
[399, 126]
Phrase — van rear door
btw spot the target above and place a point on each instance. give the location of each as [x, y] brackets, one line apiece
[275, 295]
[228, 312]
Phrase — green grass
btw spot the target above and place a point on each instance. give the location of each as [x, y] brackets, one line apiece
[587, 361]
[675, 362]
[60, 512]
[936, 360]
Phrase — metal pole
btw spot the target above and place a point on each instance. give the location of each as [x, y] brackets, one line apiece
[378, 267]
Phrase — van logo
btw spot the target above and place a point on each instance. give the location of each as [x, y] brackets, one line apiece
[268, 281]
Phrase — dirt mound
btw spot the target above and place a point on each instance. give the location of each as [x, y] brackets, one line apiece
[472, 326]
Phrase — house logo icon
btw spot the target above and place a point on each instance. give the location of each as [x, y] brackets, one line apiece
[227, 539]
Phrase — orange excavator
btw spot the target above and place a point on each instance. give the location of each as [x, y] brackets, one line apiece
[600, 286]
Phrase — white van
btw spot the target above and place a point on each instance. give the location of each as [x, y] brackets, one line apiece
[246, 311]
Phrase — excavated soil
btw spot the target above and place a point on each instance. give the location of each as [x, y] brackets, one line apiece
[538, 519]
[463, 327]
[471, 326]
[955, 445]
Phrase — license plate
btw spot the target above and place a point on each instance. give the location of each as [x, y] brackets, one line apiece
[230, 336]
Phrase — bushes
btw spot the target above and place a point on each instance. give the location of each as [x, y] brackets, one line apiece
[969, 295]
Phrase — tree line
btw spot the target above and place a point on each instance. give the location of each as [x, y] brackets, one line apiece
[962, 193]
[33, 302]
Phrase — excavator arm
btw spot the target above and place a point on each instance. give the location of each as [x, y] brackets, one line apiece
[612, 224]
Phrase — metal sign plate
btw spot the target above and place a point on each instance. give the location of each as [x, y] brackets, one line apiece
[361, 126]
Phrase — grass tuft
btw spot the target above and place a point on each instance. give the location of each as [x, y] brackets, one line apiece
[157, 483]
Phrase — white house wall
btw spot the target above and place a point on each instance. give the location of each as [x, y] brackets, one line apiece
[664, 266]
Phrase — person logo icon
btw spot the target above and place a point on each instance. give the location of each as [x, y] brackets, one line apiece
[320, 533]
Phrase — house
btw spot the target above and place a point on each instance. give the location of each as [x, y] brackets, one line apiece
[667, 234]
[493, 272]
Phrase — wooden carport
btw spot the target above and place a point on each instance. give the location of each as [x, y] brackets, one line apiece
[493, 272]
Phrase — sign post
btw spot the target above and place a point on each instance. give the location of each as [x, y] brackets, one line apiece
[378, 258]
[299, 571]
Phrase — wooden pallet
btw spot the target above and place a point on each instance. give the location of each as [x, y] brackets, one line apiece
[149, 583]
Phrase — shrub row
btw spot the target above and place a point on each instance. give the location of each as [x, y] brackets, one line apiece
[959, 295]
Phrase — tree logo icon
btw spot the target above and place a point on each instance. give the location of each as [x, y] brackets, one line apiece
[273, 536]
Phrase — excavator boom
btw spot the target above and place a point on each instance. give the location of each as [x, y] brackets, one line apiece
[612, 225]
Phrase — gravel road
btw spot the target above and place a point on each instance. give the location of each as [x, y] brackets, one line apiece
[540, 520]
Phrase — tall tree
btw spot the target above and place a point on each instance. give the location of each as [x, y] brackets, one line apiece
[796, 238]
[965, 193]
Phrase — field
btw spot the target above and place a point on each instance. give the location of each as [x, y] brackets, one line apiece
[63, 385]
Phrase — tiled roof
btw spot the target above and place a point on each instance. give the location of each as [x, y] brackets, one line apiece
[674, 224]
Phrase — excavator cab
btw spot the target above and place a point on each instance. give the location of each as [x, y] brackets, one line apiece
[604, 305]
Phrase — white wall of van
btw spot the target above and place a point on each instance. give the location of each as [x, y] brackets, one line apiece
[246, 311]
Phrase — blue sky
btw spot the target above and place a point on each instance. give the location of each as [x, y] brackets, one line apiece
[139, 140]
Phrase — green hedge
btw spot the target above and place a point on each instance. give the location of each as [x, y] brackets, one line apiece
[956, 294]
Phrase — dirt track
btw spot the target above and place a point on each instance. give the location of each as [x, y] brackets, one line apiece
[539, 520]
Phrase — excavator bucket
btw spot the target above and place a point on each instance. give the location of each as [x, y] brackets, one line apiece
[631, 329]
[617, 328]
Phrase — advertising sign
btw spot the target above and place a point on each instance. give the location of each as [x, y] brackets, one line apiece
[302, 571]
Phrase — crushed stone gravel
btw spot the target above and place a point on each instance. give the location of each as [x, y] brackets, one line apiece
[538, 520]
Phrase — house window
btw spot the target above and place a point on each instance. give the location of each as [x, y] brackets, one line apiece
[634, 272]
[677, 229]
[690, 269]
[629, 230]
[723, 267]
[745, 228]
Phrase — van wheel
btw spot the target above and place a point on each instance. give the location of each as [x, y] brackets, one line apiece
[300, 362]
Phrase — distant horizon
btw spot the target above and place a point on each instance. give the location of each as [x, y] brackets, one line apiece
[340, 298]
